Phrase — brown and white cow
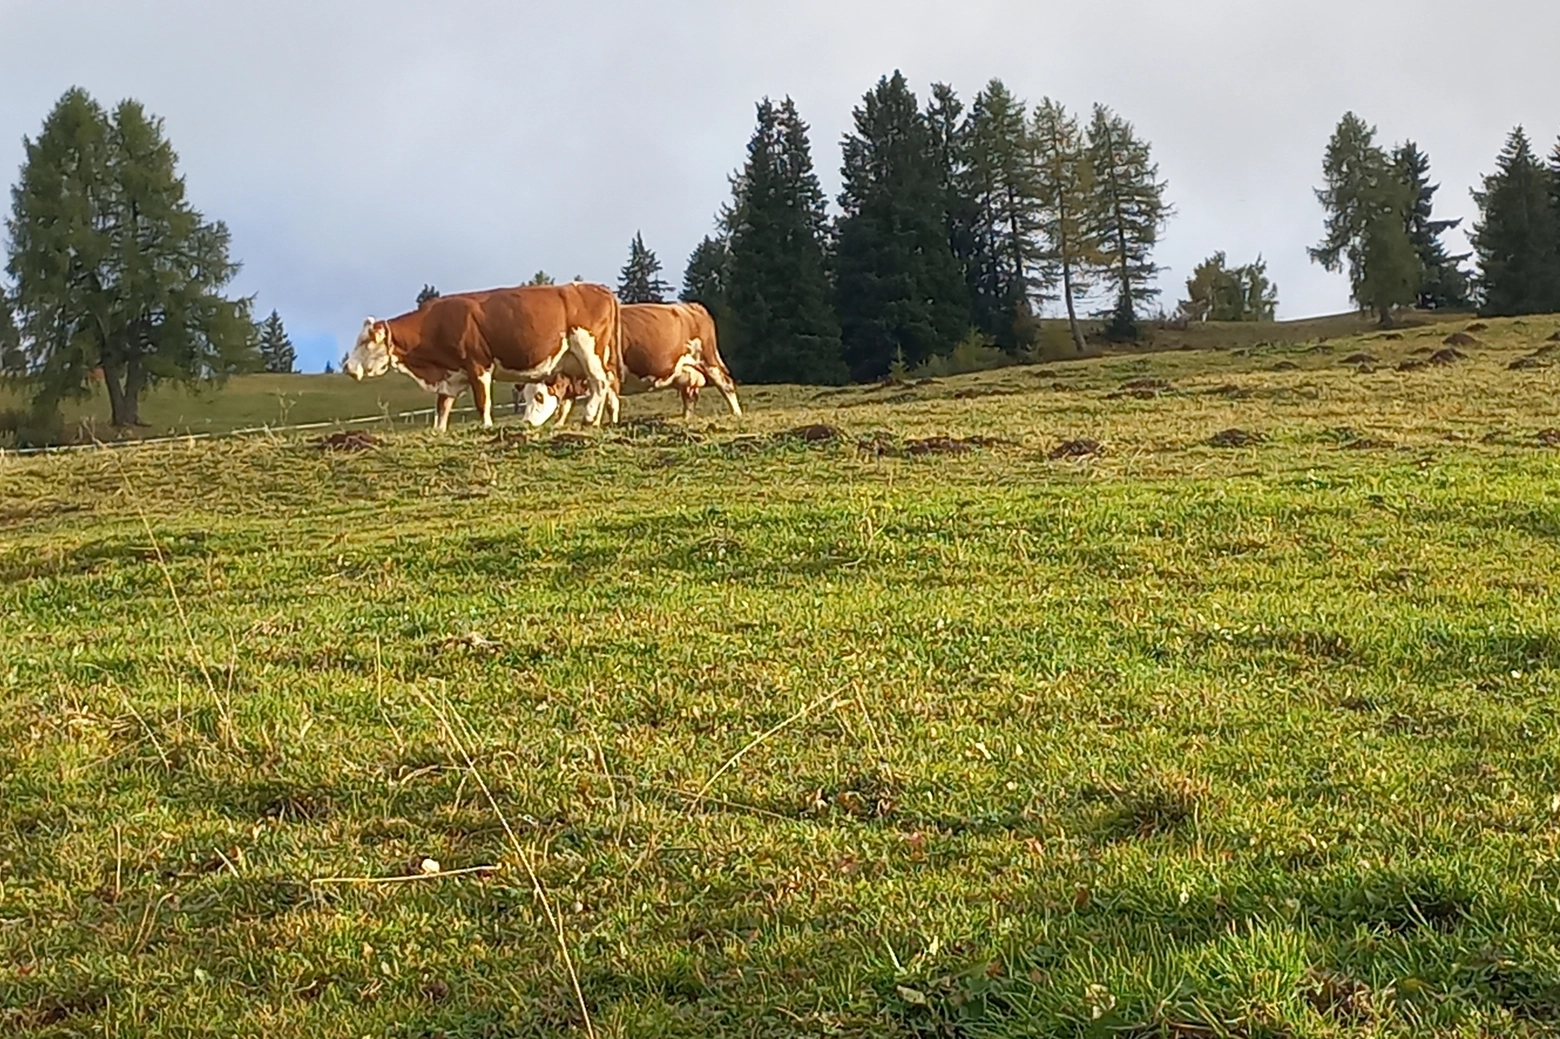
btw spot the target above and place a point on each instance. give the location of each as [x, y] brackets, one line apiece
[514, 335]
[664, 344]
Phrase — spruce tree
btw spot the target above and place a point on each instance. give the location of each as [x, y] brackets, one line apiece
[13, 362]
[428, 292]
[1065, 178]
[950, 132]
[1368, 206]
[276, 349]
[708, 273]
[1006, 246]
[113, 267]
[1444, 285]
[1127, 213]
[1517, 233]
[542, 278]
[898, 286]
[783, 322]
[641, 280]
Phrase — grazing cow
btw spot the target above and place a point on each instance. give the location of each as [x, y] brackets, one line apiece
[664, 344]
[511, 335]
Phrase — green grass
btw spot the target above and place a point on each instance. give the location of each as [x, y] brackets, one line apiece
[805, 738]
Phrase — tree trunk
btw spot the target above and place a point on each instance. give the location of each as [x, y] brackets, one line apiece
[1072, 312]
[124, 398]
[1386, 316]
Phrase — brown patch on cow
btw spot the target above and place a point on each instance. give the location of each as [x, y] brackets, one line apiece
[1447, 356]
[1083, 447]
[1549, 437]
[355, 440]
[1360, 358]
[1460, 339]
[1477, 326]
[816, 433]
[1532, 361]
[1235, 438]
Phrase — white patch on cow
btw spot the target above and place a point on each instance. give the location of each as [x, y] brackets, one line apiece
[370, 355]
[583, 344]
[485, 379]
[540, 403]
[686, 370]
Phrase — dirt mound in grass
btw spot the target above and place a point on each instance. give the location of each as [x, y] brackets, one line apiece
[1549, 437]
[1083, 447]
[1368, 444]
[1460, 339]
[1411, 365]
[1230, 391]
[1447, 356]
[1554, 338]
[816, 433]
[1140, 389]
[1235, 438]
[354, 440]
[1477, 326]
[1285, 366]
[1360, 358]
[1532, 361]
[885, 445]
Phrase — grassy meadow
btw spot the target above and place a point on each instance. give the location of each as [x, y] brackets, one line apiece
[1180, 694]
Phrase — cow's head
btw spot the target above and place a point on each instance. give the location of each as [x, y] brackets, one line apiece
[371, 354]
[540, 403]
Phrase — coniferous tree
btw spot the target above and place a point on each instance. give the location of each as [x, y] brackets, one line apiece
[784, 328]
[641, 280]
[708, 273]
[950, 132]
[428, 292]
[1065, 178]
[13, 362]
[1444, 283]
[1007, 251]
[276, 349]
[1216, 292]
[542, 278]
[898, 287]
[1368, 209]
[1127, 215]
[1517, 233]
[330, 369]
[113, 267]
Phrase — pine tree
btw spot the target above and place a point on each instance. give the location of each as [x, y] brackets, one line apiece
[950, 132]
[276, 349]
[1368, 209]
[897, 283]
[1006, 246]
[113, 267]
[1216, 292]
[1127, 213]
[1065, 178]
[783, 322]
[1517, 233]
[428, 293]
[1444, 284]
[641, 279]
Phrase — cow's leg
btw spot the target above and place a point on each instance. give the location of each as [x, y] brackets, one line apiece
[690, 398]
[441, 412]
[584, 346]
[482, 395]
[565, 405]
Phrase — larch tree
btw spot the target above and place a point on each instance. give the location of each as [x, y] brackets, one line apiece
[1443, 284]
[1128, 211]
[114, 269]
[899, 290]
[1368, 207]
[1517, 237]
[1064, 175]
[641, 281]
[276, 348]
[779, 291]
[1007, 249]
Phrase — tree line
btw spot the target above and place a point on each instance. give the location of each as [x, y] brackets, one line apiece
[953, 223]
[1380, 228]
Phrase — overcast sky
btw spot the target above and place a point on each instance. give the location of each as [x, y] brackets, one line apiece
[358, 150]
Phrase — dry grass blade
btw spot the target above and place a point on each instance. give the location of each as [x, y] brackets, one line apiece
[410, 877]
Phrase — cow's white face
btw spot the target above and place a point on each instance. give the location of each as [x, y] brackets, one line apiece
[541, 403]
[371, 355]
